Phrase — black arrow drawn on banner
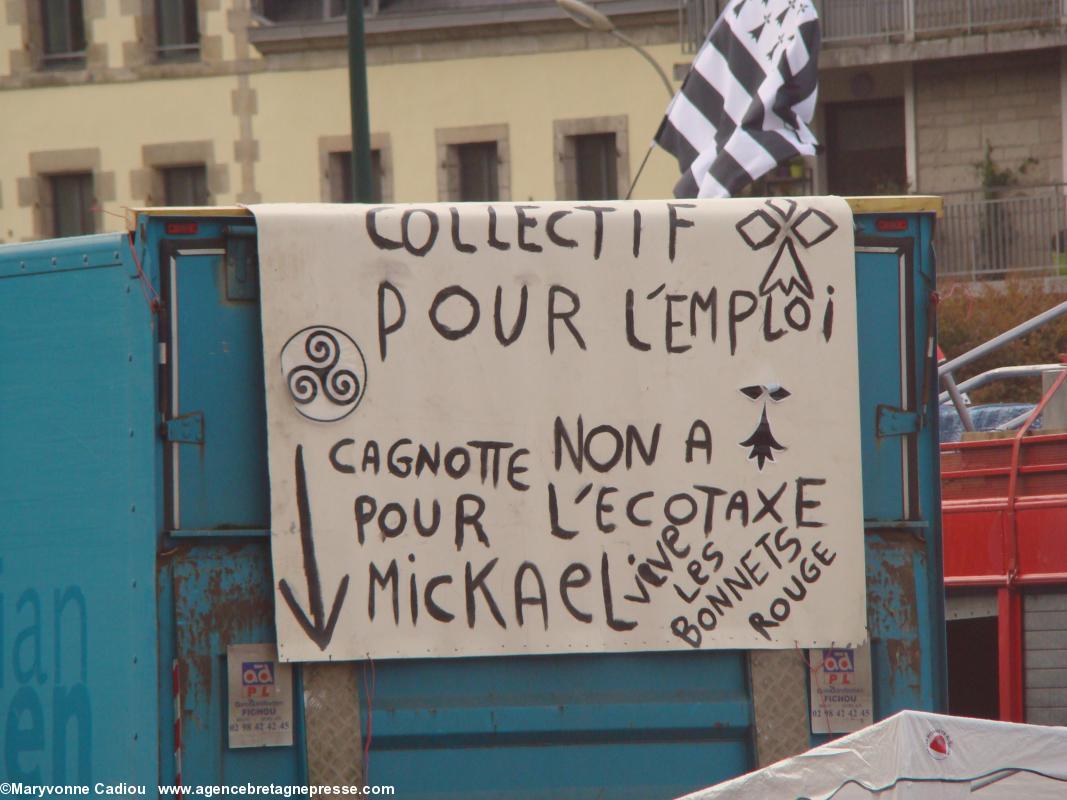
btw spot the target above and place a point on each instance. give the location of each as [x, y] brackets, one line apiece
[318, 633]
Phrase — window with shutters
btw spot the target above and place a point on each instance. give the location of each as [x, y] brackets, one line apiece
[177, 29]
[69, 204]
[477, 177]
[63, 33]
[595, 167]
[592, 160]
[179, 174]
[185, 185]
[335, 165]
[340, 176]
[473, 164]
[66, 192]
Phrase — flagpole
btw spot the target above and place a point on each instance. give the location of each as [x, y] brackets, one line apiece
[640, 169]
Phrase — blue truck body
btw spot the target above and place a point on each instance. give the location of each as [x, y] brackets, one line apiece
[134, 547]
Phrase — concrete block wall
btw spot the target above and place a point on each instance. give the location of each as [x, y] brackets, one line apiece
[1013, 102]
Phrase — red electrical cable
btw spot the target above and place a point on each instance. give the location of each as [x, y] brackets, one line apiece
[151, 296]
[368, 691]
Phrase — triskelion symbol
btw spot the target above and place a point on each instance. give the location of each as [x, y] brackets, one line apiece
[325, 372]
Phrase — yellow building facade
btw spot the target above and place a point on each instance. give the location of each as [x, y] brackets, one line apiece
[254, 106]
[111, 104]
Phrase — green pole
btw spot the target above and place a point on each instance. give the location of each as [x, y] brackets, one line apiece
[357, 83]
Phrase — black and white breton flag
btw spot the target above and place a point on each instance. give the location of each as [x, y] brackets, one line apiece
[745, 105]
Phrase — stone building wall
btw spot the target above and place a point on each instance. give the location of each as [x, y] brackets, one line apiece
[1010, 101]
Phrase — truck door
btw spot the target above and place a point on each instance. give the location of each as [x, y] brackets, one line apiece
[215, 563]
[901, 490]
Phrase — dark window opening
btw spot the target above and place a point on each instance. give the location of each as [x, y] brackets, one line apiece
[596, 167]
[63, 26]
[972, 668]
[177, 29]
[866, 153]
[340, 174]
[71, 204]
[185, 186]
[478, 176]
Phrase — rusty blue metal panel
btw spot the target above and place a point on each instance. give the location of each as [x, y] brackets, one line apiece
[77, 529]
[621, 725]
[902, 502]
[222, 595]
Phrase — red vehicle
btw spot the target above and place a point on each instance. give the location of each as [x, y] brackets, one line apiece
[1004, 514]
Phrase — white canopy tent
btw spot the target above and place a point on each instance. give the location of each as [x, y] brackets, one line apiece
[920, 756]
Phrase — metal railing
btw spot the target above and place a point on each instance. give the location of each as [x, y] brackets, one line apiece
[946, 371]
[971, 15]
[864, 19]
[858, 20]
[989, 239]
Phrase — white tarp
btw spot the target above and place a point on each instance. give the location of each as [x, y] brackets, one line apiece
[557, 427]
[918, 756]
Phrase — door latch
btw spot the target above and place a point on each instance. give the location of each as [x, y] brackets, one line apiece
[896, 422]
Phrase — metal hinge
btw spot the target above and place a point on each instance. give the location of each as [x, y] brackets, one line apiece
[896, 422]
[186, 429]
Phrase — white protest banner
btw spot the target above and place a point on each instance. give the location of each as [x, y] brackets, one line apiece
[548, 428]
